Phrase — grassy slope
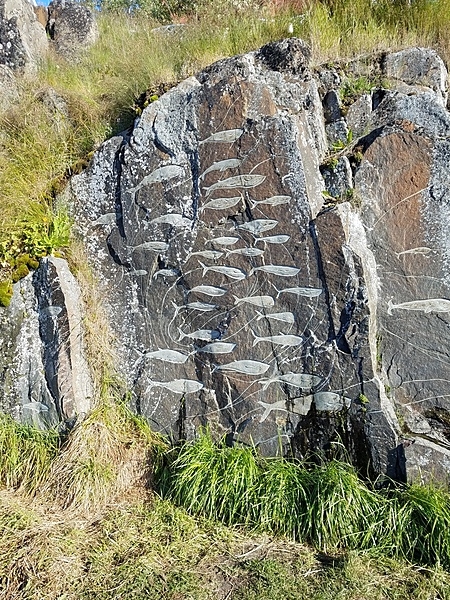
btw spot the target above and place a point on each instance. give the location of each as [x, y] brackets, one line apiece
[92, 530]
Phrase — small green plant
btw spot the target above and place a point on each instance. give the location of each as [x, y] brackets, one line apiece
[354, 87]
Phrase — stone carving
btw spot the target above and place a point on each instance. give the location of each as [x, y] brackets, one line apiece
[228, 312]
[245, 299]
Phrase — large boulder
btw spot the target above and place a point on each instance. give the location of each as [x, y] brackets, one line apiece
[287, 292]
[23, 41]
[72, 27]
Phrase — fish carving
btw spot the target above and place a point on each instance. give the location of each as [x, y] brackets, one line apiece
[438, 305]
[238, 181]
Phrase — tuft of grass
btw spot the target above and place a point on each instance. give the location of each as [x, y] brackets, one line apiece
[108, 453]
[26, 454]
[328, 506]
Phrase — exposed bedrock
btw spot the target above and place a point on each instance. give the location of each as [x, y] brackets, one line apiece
[244, 298]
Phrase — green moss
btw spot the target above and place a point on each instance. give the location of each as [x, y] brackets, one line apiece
[6, 291]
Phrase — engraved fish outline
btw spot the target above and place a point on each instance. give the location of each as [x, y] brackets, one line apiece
[272, 201]
[285, 317]
[258, 226]
[167, 355]
[261, 301]
[178, 386]
[283, 339]
[274, 239]
[231, 272]
[245, 181]
[216, 348]
[427, 305]
[209, 290]
[158, 175]
[245, 367]
[304, 381]
[279, 270]
[281, 406]
[222, 165]
[221, 203]
[226, 136]
[307, 292]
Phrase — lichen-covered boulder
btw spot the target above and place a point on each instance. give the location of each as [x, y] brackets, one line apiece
[72, 27]
[23, 41]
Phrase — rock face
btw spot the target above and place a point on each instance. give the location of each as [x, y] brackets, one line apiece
[72, 27]
[23, 41]
[44, 377]
[246, 299]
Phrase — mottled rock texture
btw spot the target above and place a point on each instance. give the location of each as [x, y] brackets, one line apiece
[72, 27]
[245, 299]
[23, 41]
[44, 375]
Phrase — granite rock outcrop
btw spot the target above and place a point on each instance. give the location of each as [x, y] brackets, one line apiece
[273, 252]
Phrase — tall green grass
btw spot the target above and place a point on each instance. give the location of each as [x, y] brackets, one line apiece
[26, 454]
[328, 506]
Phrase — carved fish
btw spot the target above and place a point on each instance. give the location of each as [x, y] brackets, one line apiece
[209, 254]
[224, 240]
[159, 175]
[200, 306]
[330, 401]
[230, 272]
[238, 181]
[305, 381]
[35, 407]
[274, 239]
[420, 250]
[170, 356]
[206, 335]
[272, 201]
[249, 252]
[178, 386]
[221, 203]
[427, 306]
[301, 291]
[247, 367]
[285, 317]
[281, 340]
[153, 246]
[226, 136]
[166, 273]
[209, 290]
[300, 407]
[106, 219]
[51, 311]
[174, 219]
[280, 270]
[258, 226]
[222, 165]
[261, 301]
[217, 348]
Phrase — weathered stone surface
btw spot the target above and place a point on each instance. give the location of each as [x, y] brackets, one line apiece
[241, 301]
[418, 67]
[72, 27]
[235, 153]
[44, 376]
[358, 115]
[23, 41]
[338, 178]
